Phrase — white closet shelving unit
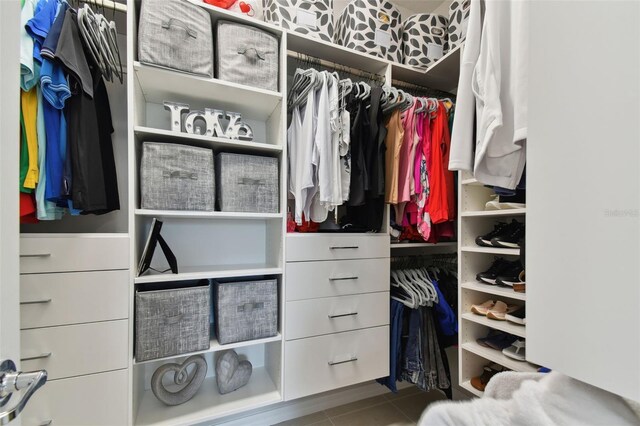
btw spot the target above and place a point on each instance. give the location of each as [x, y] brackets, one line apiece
[473, 220]
[208, 245]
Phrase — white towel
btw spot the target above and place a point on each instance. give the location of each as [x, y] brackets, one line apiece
[534, 399]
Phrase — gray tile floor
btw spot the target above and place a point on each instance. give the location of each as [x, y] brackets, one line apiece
[401, 409]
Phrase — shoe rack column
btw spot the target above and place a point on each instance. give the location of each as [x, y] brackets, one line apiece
[473, 221]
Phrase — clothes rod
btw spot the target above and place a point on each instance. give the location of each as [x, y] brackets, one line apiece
[356, 72]
[108, 4]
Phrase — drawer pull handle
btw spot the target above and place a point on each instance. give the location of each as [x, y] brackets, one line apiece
[46, 422]
[35, 302]
[36, 255]
[332, 363]
[41, 356]
[350, 314]
[344, 247]
[343, 279]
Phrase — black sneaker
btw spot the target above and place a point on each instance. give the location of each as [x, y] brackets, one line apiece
[497, 268]
[510, 236]
[510, 275]
[485, 240]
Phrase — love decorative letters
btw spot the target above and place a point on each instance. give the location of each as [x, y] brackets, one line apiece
[236, 129]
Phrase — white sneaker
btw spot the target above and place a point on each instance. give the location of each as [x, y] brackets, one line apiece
[495, 204]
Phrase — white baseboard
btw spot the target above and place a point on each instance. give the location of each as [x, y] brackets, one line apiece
[288, 410]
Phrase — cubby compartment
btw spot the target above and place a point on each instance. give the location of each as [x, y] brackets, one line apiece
[264, 388]
[476, 226]
[214, 248]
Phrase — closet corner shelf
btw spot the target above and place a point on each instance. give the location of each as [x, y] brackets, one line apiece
[497, 357]
[443, 245]
[213, 272]
[161, 135]
[208, 404]
[491, 250]
[443, 75]
[159, 85]
[467, 386]
[215, 346]
[180, 214]
[307, 45]
[494, 289]
[507, 327]
[493, 213]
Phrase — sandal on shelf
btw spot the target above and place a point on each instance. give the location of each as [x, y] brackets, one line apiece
[500, 310]
[516, 351]
[480, 382]
[521, 286]
[483, 308]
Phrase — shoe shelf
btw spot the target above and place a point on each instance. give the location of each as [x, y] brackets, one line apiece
[506, 292]
[449, 244]
[491, 250]
[499, 358]
[466, 385]
[492, 213]
[506, 326]
[215, 346]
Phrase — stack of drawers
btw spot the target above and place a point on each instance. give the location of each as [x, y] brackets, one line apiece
[337, 312]
[74, 309]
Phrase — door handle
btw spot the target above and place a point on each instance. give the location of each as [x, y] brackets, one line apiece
[12, 381]
[343, 278]
[35, 302]
[343, 247]
[36, 255]
[332, 363]
[350, 314]
[41, 356]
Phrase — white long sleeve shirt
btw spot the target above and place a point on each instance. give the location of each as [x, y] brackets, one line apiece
[493, 82]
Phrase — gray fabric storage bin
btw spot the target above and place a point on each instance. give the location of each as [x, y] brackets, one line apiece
[247, 55]
[172, 322]
[247, 183]
[176, 34]
[311, 17]
[458, 20]
[246, 310]
[373, 27]
[176, 177]
[424, 39]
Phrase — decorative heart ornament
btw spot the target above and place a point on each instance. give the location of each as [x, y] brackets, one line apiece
[231, 373]
[181, 377]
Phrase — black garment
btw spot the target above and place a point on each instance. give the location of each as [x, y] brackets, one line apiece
[368, 215]
[359, 134]
[94, 184]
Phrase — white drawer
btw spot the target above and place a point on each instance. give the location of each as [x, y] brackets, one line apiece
[73, 252]
[94, 400]
[73, 298]
[308, 280]
[75, 349]
[306, 318]
[336, 246]
[320, 364]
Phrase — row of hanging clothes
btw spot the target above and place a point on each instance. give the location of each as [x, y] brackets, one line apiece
[423, 321]
[419, 185]
[67, 163]
[336, 151]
